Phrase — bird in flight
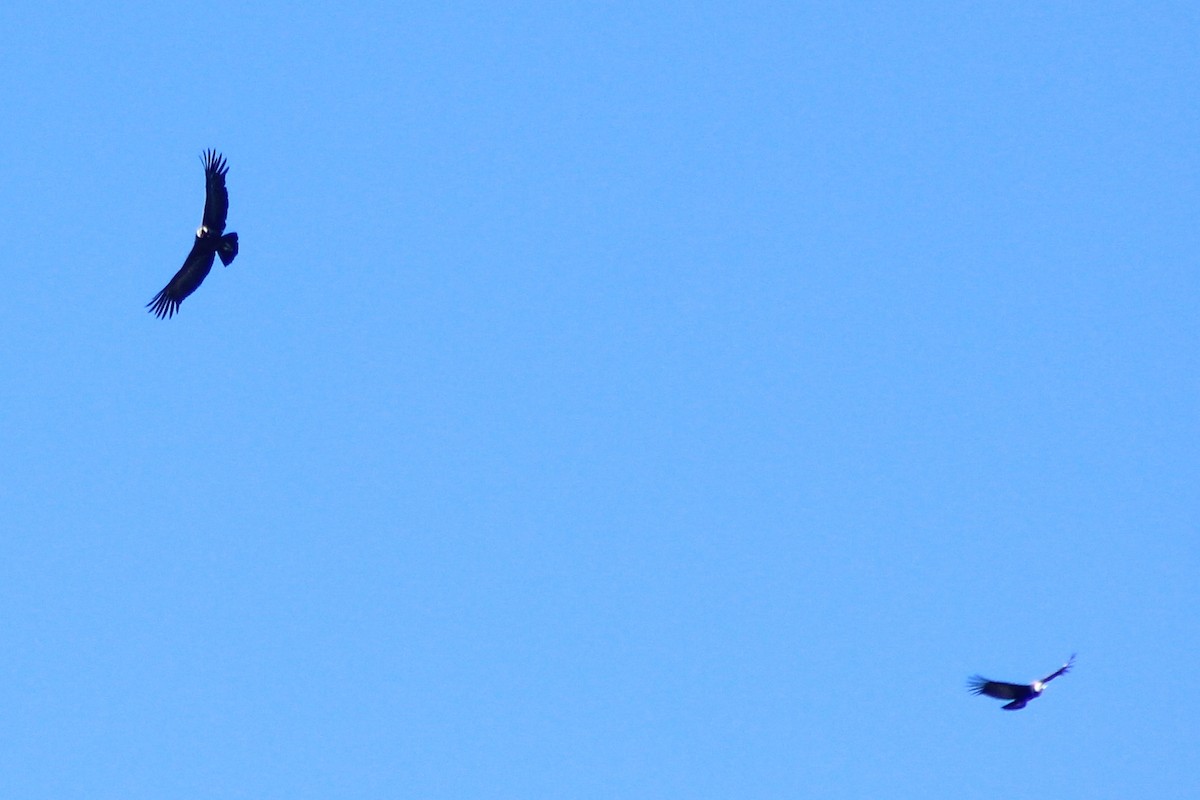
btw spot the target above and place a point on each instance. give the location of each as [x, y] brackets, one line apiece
[211, 241]
[1018, 693]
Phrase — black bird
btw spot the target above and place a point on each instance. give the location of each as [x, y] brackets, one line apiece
[209, 241]
[1018, 693]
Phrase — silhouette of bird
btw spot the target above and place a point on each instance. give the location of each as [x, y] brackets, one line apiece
[1018, 693]
[211, 241]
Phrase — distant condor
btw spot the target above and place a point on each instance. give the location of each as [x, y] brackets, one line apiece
[209, 241]
[1018, 693]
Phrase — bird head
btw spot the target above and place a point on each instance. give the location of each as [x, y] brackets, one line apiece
[202, 231]
[1038, 686]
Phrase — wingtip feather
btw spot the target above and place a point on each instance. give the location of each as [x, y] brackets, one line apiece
[214, 163]
[163, 306]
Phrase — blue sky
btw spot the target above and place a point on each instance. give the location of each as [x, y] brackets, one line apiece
[613, 400]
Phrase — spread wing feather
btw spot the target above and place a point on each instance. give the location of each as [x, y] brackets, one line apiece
[193, 272]
[1063, 670]
[216, 196]
[997, 689]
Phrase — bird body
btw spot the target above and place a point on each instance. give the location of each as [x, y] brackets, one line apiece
[211, 241]
[1017, 693]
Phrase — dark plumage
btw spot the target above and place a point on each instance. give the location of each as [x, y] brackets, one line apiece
[209, 241]
[1018, 693]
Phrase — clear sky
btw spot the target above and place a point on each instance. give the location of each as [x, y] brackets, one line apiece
[646, 400]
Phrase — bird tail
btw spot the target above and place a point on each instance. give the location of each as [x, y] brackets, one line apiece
[227, 248]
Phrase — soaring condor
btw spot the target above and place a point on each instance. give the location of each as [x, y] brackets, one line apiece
[209, 241]
[1018, 693]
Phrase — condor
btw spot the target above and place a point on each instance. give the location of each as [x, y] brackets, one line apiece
[211, 241]
[1018, 693]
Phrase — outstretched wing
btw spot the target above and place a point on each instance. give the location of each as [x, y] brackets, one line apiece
[193, 272]
[216, 197]
[997, 689]
[1062, 671]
